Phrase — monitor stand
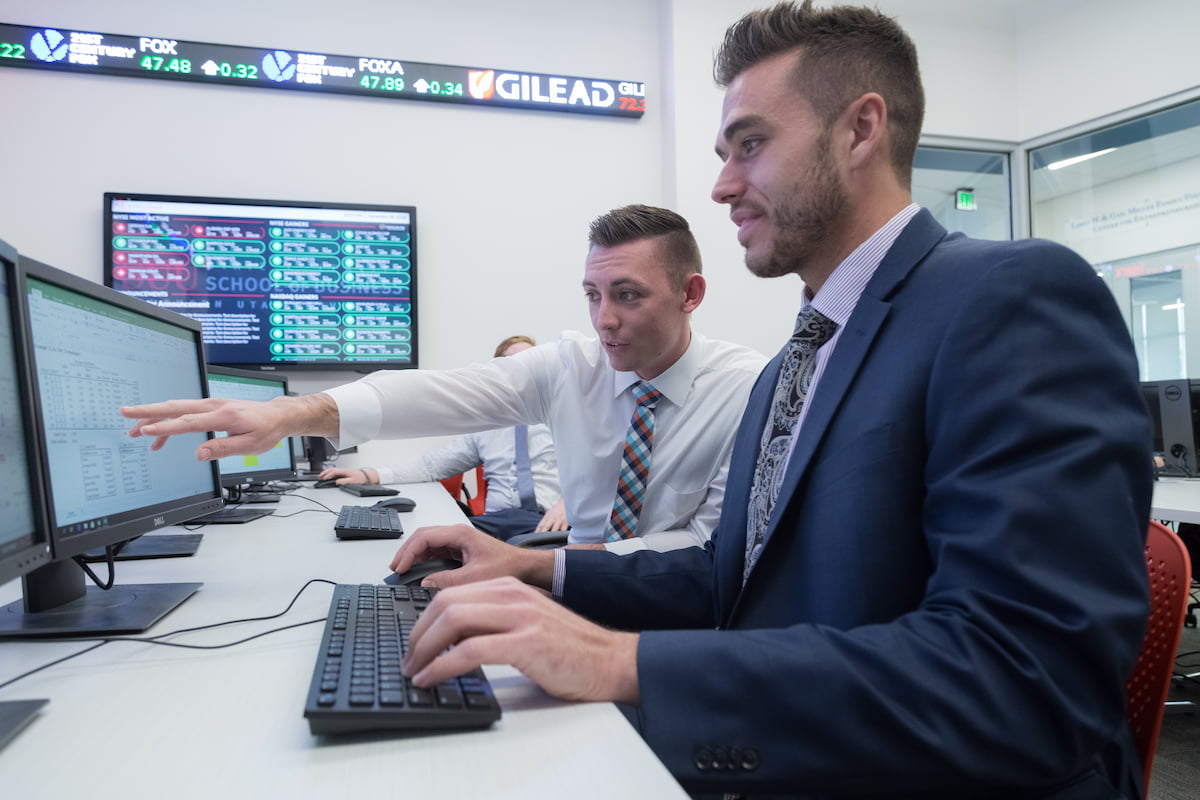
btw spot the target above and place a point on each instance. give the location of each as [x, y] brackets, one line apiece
[164, 545]
[62, 604]
[232, 515]
[259, 497]
[15, 715]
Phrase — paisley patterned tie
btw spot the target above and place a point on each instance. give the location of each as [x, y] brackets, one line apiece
[813, 329]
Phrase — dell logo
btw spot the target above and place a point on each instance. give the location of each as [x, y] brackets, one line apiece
[1172, 392]
[160, 521]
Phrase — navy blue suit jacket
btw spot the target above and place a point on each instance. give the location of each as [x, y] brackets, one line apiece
[953, 588]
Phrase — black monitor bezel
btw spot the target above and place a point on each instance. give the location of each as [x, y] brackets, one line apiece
[233, 479]
[32, 550]
[339, 366]
[127, 524]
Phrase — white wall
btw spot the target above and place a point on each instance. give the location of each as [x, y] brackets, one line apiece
[1082, 59]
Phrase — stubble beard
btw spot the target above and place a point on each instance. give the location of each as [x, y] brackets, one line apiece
[804, 222]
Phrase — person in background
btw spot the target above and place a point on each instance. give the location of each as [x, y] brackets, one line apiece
[522, 496]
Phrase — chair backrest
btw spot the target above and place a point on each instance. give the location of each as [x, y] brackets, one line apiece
[476, 503]
[1146, 691]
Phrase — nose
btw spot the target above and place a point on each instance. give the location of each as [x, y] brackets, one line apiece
[603, 316]
[728, 185]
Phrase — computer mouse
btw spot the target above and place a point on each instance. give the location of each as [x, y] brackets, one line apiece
[420, 570]
[328, 483]
[399, 502]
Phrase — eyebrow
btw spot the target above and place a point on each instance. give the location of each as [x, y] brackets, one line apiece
[617, 282]
[739, 124]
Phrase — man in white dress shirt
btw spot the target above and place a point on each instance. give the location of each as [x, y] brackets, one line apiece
[642, 282]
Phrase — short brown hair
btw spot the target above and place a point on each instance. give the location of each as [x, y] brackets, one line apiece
[677, 245]
[510, 341]
[844, 52]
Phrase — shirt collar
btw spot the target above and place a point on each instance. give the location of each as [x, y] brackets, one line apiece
[840, 292]
[675, 382]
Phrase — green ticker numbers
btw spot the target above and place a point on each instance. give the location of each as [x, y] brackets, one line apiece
[160, 64]
[388, 84]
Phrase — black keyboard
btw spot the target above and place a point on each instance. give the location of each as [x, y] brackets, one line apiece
[357, 684]
[368, 522]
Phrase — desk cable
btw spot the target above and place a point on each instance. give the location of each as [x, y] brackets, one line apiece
[101, 641]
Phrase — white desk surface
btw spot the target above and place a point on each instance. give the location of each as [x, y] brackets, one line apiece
[1176, 500]
[136, 720]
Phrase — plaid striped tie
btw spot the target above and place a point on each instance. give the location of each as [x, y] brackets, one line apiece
[635, 465]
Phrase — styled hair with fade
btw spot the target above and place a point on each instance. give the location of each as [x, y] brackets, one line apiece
[677, 246]
[843, 52]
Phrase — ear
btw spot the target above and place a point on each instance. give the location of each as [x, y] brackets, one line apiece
[866, 121]
[693, 292]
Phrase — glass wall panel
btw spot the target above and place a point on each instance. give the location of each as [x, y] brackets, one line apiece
[965, 190]
[1127, 198]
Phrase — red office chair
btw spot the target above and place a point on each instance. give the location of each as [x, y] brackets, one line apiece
[459, 491]
[1146, 691]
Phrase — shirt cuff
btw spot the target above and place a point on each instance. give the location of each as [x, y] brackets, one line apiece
[359, 414]
[630, 545]
[560, 574]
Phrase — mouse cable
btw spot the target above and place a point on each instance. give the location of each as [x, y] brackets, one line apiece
[311, 500]
[323, 507]
[305, 511]
[99, 642]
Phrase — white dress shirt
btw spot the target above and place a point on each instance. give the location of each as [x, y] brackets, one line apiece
[570, 386]
[496, 451]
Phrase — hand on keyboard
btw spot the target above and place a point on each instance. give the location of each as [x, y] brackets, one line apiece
[565, 654]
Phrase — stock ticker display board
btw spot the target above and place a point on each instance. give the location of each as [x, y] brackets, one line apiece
[373, 76]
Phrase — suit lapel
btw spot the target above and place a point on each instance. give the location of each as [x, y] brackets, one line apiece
[730, 536]
[866, 320]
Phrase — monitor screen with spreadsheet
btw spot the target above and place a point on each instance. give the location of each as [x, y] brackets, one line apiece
[92, 350]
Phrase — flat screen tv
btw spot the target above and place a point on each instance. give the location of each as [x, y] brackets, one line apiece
[275, 284]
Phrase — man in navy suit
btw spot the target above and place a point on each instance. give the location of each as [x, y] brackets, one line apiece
[949, 593]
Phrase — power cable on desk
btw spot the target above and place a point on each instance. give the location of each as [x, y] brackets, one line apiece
[324, 507]
[309, 499]
[157, 639]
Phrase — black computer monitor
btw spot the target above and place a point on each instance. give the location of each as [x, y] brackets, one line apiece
[1175, 413]
[278, 284]
[91, 350]
[24, 535]
[24, 538]
[317, 452]
[279, 462]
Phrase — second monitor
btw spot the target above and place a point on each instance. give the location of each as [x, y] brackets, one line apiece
[278, 463]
